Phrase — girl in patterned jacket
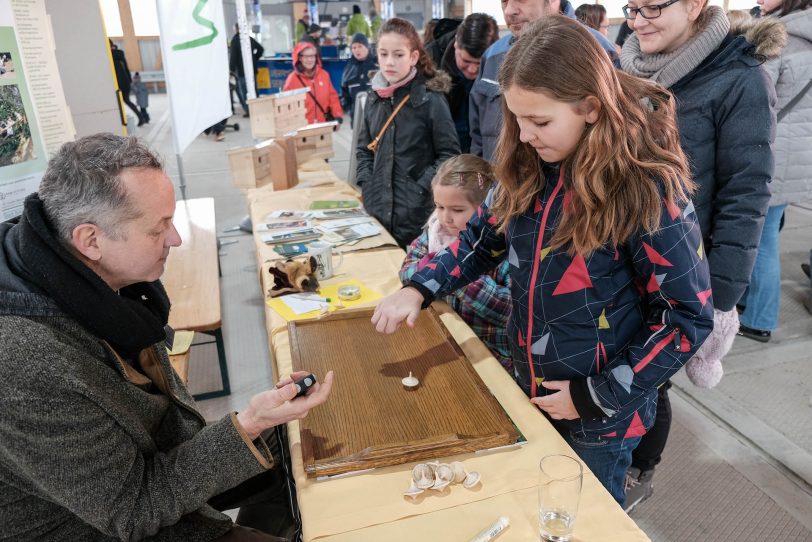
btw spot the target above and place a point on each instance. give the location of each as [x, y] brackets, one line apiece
[609, 284]
[459, 187]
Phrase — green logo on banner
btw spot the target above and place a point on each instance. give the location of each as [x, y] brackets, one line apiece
[205, 40]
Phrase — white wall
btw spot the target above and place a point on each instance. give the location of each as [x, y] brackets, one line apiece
[84, 65]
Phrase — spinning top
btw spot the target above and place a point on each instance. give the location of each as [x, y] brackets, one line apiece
[410, 382]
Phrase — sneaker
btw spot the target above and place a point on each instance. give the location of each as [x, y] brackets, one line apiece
[219, 137]
[639, 487]
[805, 269]
[756, 334]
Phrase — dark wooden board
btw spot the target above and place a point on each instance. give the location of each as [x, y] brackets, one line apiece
[370, 420]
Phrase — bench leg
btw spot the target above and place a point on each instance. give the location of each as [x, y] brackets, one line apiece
[221, 356]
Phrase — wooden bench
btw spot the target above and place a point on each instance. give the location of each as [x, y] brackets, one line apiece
[191, 279]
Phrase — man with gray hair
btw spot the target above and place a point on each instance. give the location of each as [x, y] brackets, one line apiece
[99, 439]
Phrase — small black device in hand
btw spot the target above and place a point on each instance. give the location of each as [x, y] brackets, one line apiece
[304, 384]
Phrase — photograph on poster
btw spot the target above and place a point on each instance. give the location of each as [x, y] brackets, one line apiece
[6, 66]
[16, 145]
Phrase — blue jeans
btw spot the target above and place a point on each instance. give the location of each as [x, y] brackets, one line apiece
[607, 458]
[762, 298]
[242, 93]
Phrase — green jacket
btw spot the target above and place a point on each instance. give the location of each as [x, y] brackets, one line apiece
[357, 23]
[375, 25]
[90, 448]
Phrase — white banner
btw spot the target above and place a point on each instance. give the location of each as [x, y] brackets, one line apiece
[194, 46]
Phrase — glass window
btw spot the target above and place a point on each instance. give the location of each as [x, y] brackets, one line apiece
[112, 19]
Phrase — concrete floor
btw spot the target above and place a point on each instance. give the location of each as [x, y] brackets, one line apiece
[738, 465]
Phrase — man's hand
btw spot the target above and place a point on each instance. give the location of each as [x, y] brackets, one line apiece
[394, 309]
[278, 406]
[558, 405]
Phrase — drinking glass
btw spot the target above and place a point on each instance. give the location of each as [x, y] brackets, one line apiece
[560, 479]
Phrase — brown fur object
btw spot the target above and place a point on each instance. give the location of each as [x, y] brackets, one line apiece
[291, 277]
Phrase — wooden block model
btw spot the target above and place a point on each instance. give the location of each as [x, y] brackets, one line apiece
[282, 157]
[278, 114]
[272, 161]
[250, 166]
[315, 141]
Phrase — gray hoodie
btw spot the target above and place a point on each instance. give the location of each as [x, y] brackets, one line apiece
[791, 72]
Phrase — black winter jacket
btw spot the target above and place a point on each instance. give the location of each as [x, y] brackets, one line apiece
[355, 80]
[396, 179]
[727, 128]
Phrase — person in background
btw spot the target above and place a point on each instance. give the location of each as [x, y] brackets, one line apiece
[141, 98]
[792, 181]
[357, 23]
[313, 37]
[727, 125]
[355, 79]
[622, 34]
[428, 31]
[460, 59]
[485, 115]
[322, 102]
[610, 295]
[459, 188]
[124, 79]
[235, 65]
[375, 23]
[407, 133]
[101, 440]
[594, 16]
[301, 27]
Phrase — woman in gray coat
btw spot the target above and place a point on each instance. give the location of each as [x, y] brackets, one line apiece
[792, 180]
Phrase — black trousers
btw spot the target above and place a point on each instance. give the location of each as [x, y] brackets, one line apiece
[650, 450]
[266, 501]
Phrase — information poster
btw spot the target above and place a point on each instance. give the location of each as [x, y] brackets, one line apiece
[22, 154]
[34, 34]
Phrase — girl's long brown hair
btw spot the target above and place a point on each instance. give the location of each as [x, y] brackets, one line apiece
[614, 172]
[425, 66]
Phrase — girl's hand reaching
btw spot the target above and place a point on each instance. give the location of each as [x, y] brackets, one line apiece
[392, 310]
[558, 405]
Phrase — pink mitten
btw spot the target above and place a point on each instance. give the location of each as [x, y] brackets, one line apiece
[705, 368]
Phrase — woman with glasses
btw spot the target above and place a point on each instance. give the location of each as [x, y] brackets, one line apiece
[322, 103]
[726, 124]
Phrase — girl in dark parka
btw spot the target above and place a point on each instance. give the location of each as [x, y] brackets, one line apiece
[396, 164]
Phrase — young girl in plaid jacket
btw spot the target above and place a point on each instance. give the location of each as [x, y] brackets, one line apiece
[610, 291]
[459, 187]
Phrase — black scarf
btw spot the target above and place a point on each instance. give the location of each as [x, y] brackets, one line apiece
[130, 321]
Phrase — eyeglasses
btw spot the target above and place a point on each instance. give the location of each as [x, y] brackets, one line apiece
[647, 12]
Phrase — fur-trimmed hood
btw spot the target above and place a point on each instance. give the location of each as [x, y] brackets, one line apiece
[767, 35]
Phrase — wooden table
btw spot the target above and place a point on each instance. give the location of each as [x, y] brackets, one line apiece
[371, 506]
[192, 279]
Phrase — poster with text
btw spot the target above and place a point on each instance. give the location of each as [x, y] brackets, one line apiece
[22, 154]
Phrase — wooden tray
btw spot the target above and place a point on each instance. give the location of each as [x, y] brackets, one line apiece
[370, 420]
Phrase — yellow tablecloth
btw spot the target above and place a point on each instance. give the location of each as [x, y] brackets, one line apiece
[371, 506]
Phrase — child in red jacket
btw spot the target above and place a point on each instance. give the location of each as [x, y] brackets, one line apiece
[322, 101]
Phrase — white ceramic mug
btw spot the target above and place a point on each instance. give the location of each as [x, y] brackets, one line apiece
[323, 253]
